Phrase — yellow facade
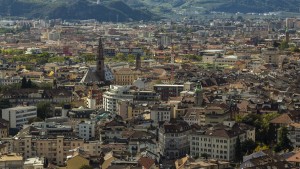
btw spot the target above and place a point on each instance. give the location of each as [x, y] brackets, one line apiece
[55, 149]
[126, 76]
[76, 162]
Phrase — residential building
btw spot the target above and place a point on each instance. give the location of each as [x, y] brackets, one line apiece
[55, 149]
[209, 56]
[226, 60]
[94, 99]
[9, 81]
[18, 116]
[195, 115]
[173, 139]
[294, 134]
[159, 113]
[168, 90]
[19, 96]
[219, 141]
[132, 51]
[11, 161]
[115, 94]
[4, 128]
[86, 130]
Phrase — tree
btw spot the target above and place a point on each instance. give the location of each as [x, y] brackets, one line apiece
[29, 84]
[86, 167]
[276, 44]
[248, 146]
[131, 58]
[120, 57]
[261, 122]
[24, 83]
[238, 150]
[284, 143]
[261, 147]
[44, 110]
[88, 57]
[295, 49]
[284, 45]
[205, 155]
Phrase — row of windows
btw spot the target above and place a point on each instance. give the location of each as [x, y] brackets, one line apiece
[213, 156]
[209, 150]
[209, 145]
[26, 115]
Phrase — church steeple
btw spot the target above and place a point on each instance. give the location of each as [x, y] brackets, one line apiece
[198, 95]
[287, 35]
[100, 61]
[138, 63]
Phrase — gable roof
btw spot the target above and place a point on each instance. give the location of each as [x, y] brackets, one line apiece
[282, 119]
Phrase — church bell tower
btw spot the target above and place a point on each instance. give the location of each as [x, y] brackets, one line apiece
[100, 62]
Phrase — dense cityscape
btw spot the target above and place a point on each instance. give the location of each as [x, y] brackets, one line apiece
[220, 93]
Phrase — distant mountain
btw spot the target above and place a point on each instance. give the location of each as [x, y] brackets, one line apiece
[73, 9]
[231, 6]
[135, 10]
[259, 6]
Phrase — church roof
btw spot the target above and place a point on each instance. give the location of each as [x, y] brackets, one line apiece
[90, 77]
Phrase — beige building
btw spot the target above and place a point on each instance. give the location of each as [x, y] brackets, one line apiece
[126, 76]
[219, 142]
[212, 114]
[9, 161]
[4, 127]
[55, 149]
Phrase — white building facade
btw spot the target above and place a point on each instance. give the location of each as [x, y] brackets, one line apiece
[160, 113]
[18, 116]
[86, 130]
[115, 94]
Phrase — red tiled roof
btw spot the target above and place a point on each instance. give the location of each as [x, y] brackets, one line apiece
[282, 119]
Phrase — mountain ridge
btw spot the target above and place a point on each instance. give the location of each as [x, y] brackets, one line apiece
[73, 10]
[230, 6]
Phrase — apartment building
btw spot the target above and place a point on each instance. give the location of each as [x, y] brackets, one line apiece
[174, 139]
[55, 149]
[168, 90]
[115, 94]
[18, 116]
[4, 128]
[86, 130]
[294, 134]
[160, 113]
[219, 141]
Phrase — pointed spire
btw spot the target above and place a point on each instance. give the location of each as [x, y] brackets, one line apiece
[198, 87]
[100, 61]
[100, 49]
[138, 62]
